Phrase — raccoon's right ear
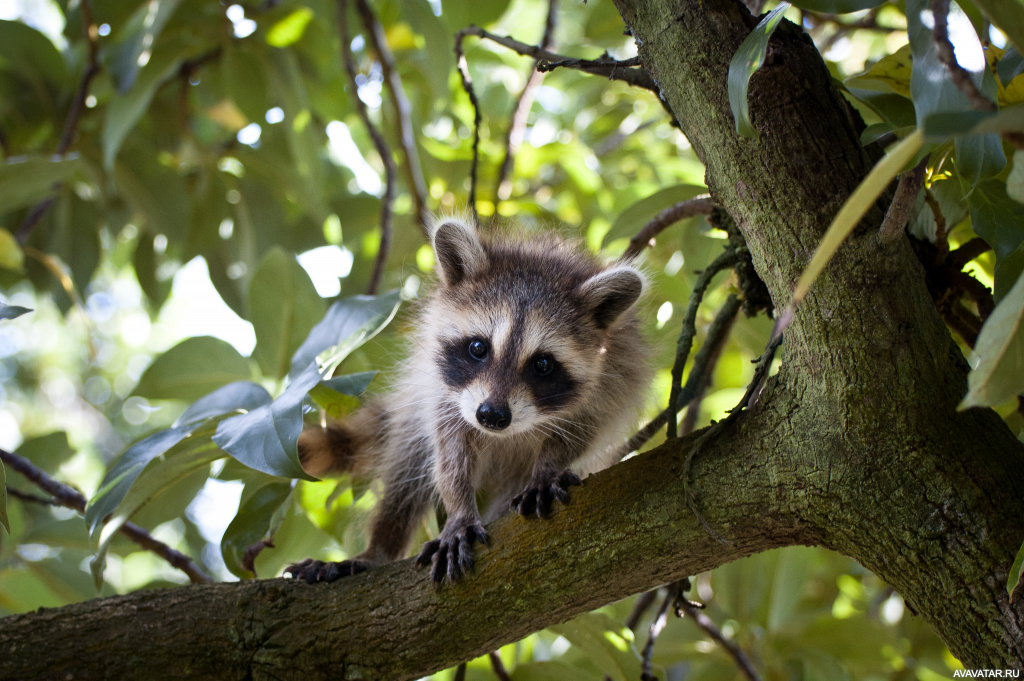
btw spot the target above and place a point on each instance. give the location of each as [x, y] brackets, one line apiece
[458, 250]
[611, 293]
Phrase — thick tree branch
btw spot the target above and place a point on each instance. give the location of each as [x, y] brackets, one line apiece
[353, 628]
[68, 497]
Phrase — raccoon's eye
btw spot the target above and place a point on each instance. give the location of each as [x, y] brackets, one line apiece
[542, 366]
[478, 349]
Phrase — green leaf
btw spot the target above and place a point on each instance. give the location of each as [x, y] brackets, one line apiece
[747, 60]
[944, 125]
[123, 473]
[192, 368]
[978, 158]
[242, 396]
[125, 110]
[11, 255]
[602, 639]
[245, 78]
[29, 53]
[1016, 577]
[252, 523]
[265, 438]
[1015, 180]
[997, 373]
[337, 396]
[3, 499]
[26, 180]
[349, 323]
[289, 30]
[791, 572]
[136, 37]
[12, 311]
[1010, 66]
[283, 307]
[1008, 15]
[198, 422]
[997, 219]
[158, 476]
[837, 6]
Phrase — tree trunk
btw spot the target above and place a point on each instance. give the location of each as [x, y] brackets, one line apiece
[855, 445]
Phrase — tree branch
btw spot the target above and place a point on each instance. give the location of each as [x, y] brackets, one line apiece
[612, 69]
[68, 497]
[467, 85]
[903, 202]
[403, 111]
[961, 77]
[727, 259]
[378, 141]
[521, 113]
[67, 136]
[699, 205]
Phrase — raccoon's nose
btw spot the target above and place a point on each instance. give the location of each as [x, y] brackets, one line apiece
[494, 416]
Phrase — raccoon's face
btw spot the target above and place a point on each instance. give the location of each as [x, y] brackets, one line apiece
[520, 332]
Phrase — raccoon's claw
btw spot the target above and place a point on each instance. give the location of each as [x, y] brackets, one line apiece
[537, 499]
[451, 555]
[314, 571]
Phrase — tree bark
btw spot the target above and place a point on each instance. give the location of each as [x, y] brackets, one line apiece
[855, 445]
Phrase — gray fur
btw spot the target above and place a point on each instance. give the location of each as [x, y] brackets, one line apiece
[531, 298]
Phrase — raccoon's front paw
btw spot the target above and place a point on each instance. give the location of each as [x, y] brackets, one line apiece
[451, 554]
[536, 499]
[314, 571]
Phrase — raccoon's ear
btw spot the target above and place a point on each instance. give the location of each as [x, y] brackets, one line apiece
[611, 293]
[458, 250]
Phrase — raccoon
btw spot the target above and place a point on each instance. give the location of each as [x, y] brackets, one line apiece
[526, 372]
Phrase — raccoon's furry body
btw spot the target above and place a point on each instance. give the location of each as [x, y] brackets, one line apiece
[526, 370]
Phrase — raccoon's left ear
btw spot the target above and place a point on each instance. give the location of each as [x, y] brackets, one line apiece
[458, 250]
[611, 293]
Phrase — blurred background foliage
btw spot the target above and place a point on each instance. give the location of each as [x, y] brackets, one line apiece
[218, 190]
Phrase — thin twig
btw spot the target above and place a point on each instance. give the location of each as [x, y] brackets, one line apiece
[643, 603]
[903, 202]
[382, 150]
[521, 114]
[403, 110]
[699, 205]
[941, 238]
[67, 136]
[467, 85]
[961, 77]
[460, 672]
[69, 497]
[626, 71]
[699, 379]
[685, 343]
[31, 498]
[708, 626]
[655, 630]
[498, 666]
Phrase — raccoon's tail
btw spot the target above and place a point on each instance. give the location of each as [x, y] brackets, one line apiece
[342, 446]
